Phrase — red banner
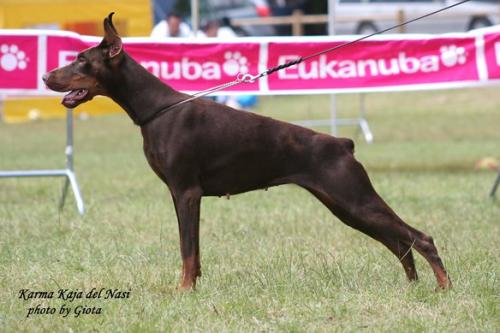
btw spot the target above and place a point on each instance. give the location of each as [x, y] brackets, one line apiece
[382, 63]
[18, 62]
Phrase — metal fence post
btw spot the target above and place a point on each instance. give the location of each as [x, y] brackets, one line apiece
[363, 123]
[70, 174]
[495, 185]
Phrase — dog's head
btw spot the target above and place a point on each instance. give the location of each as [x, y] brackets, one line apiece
[87, 76]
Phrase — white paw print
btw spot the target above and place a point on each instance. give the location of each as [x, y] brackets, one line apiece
[452, 55]
[11, 58]
[235, 63]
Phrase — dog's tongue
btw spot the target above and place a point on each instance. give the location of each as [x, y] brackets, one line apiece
[71, 99]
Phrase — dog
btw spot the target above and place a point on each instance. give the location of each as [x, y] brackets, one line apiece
[202, 148]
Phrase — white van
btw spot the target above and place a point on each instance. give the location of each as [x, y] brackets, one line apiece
[367, 16]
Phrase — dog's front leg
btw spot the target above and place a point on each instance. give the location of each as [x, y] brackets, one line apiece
[187, 206]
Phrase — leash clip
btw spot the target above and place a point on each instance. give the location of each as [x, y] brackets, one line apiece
[247, 78]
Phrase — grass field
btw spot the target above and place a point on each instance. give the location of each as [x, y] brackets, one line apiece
[272, 261]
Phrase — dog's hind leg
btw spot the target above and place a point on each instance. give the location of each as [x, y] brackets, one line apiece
[187, 206]
[400, 250]
[348, 193]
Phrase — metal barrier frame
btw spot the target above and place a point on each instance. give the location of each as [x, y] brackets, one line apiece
[335, 122]
[68, 173]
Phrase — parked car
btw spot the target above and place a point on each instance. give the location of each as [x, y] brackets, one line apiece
[368, 16]
[376, 15]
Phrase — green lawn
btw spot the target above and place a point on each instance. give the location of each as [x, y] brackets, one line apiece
[272, 261]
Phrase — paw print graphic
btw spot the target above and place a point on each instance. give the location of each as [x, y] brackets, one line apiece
[11, 58]
[452, 55]
[235, 63]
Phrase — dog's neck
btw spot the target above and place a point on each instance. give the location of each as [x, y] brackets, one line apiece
[140, 93]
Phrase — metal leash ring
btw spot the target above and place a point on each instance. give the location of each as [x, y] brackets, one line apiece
[247, 78]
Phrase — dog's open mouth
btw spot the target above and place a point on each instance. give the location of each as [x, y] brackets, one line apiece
[74, 97]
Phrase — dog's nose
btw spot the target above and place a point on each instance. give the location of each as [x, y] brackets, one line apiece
[45, 77]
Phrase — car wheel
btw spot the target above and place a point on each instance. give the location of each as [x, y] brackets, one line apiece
[366, 28]
[479, 22]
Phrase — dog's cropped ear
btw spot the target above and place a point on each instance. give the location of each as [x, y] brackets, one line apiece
[111, 43]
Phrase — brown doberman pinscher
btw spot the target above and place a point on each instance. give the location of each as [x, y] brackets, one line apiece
[202, 148]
